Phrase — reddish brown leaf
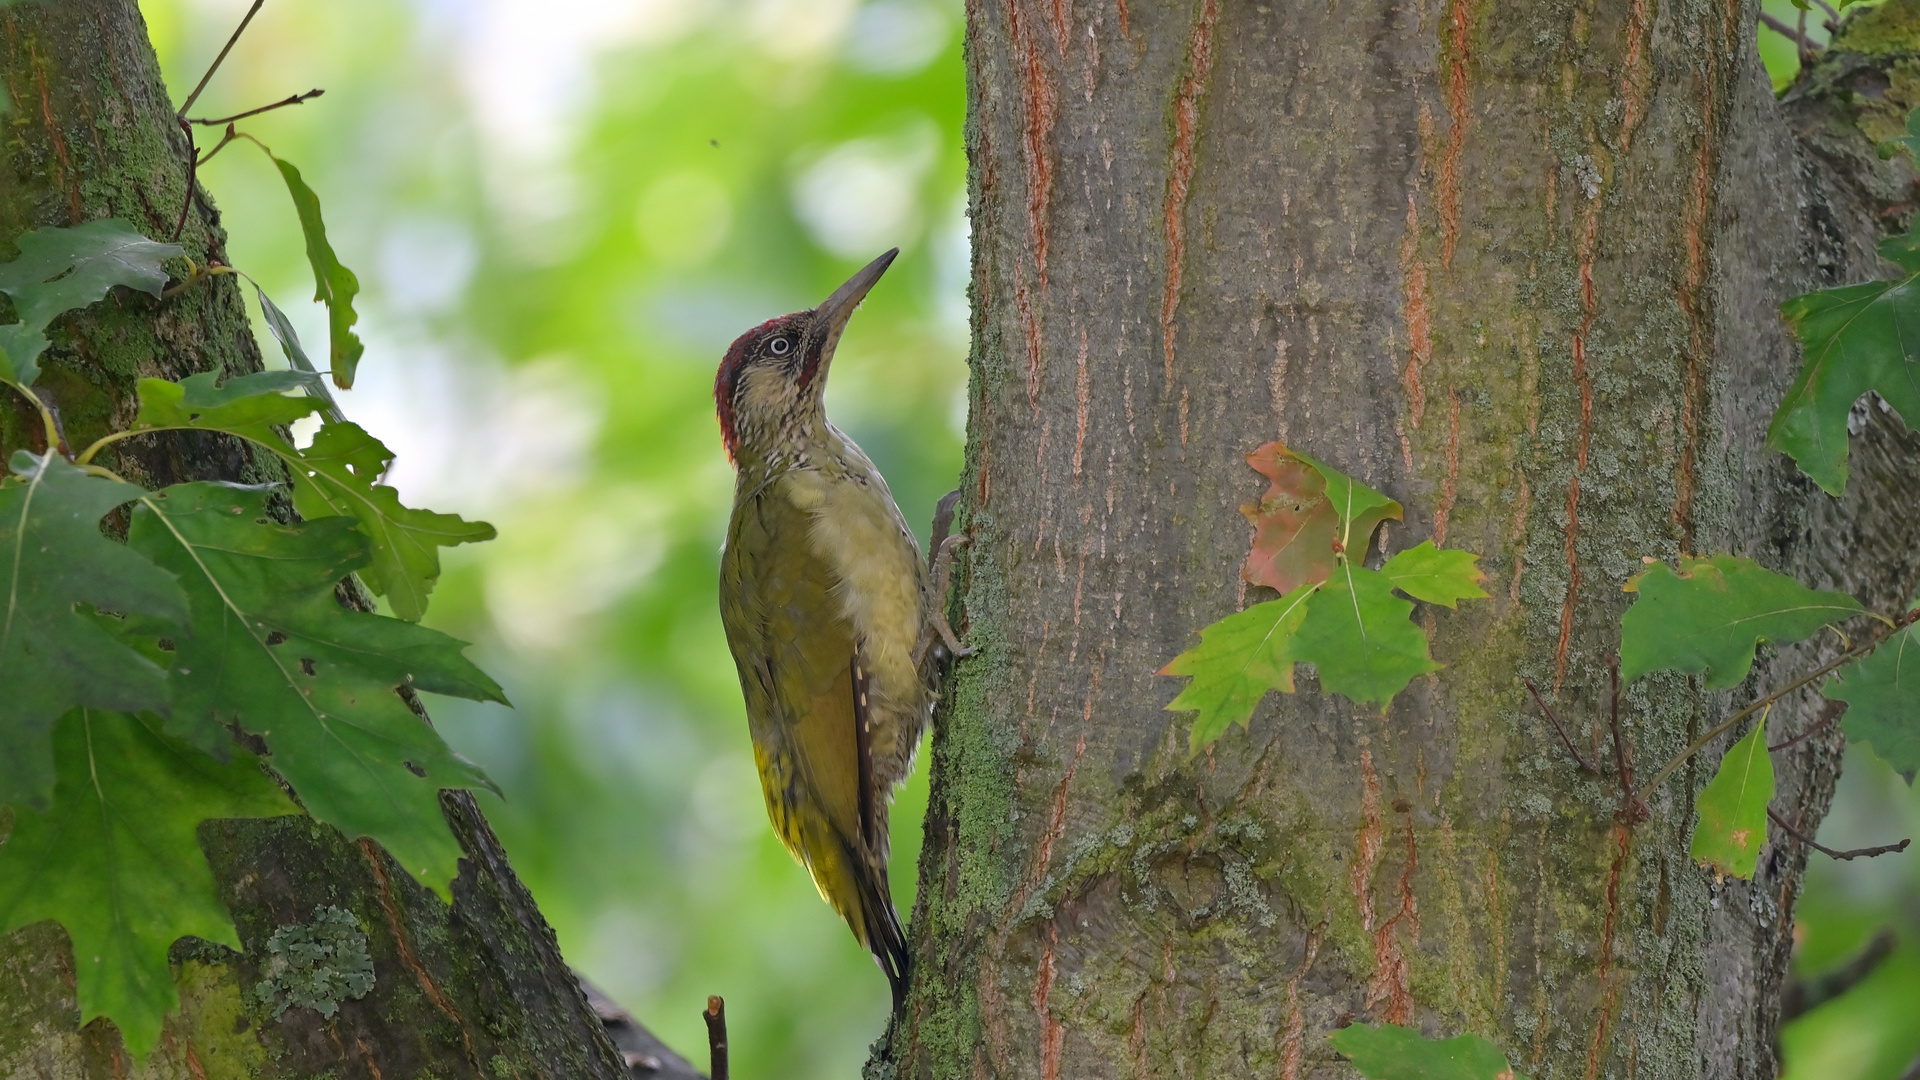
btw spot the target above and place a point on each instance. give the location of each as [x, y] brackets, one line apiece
[1295, 529]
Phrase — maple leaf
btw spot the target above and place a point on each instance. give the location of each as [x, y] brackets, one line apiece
[1294, 526]
[1310, 513]
[1710, 615]
[1388, 1052]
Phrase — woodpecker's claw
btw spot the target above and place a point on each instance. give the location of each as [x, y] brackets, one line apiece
[937, 619]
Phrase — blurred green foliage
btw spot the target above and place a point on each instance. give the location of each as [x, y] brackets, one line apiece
[562, 212]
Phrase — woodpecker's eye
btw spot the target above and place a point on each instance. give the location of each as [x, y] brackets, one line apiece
[780, 346]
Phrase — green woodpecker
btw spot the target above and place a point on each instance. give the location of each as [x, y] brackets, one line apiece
[829, 612]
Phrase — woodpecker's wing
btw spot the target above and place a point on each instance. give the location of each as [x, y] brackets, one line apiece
[796, 654]
[802, 680]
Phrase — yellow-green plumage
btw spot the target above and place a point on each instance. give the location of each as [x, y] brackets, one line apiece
[823, 595]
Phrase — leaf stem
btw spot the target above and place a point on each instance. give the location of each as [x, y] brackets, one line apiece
[47, 420]
[1728, 724]
[111, 437]
[198, 275]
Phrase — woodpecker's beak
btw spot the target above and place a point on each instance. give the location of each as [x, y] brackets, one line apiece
[833, 313]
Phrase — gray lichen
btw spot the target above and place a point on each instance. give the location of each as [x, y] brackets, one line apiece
[316, 965]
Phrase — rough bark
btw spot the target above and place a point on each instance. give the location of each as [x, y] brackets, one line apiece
[1517, 265]
[475, 990]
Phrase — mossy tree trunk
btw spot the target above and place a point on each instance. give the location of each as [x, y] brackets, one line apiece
[1517, 264]
[475, 990]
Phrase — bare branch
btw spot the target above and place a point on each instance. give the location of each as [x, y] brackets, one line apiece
[218, 60]
[1585, 765]
[716, 1018]
[1847, 856]
[296, 99]
[1829, 714]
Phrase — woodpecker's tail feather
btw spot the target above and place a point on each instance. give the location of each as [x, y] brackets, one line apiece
[884, 936]
[855, 884]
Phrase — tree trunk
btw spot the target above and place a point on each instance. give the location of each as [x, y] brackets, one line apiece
[475, 990]
[1518, 266]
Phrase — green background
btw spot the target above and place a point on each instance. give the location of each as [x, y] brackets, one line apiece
[561, 212]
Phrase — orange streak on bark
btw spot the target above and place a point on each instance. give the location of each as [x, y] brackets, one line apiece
[1293, 1033]
[1521, 504]
[1124, 31]
[1367, 847]
[1563, 649]
[1449, 486]
[1039, 107]
[1081, 388]
[1609, 987]
[1459, 111]
[1633, 75]
[1186, 133]
[1419, 315]
[1053, 1034]
[1392, 983]
[372, 853]
[1030, 330]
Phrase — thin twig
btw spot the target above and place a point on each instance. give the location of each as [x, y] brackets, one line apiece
[221, 59]
[1777, 26]
[296, 99]
[1833, 715]
[716, 1018]
[1804, 49]
[1724, 726]
[193, 178]
[1555, 721]
[1856, 853]
[1828, 8]
[1631, 808]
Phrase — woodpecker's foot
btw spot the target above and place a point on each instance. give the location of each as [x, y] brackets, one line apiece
[942, 578]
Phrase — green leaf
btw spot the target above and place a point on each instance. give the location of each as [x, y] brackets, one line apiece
[1733, 808]
[1855, 339]
[1360, 508]
[116, 859]
[250, 406]
[1882, 693]
[317, 682]
[1238, 660]
[338, 474]
[53, 657]
[1425, 572]
[1361, 637]
[61, 269]
[1711, 615]
[289, 340]
[1389, 1052]
[334, 284]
